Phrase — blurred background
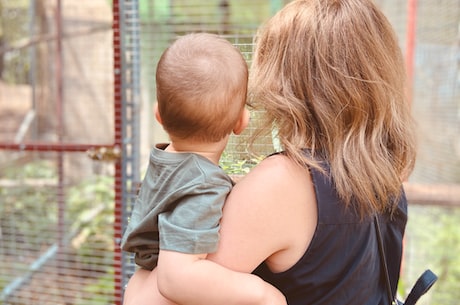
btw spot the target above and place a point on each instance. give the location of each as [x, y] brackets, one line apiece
[76, 126]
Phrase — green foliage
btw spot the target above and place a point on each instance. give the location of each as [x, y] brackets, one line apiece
[14, 27]
[29, 219]
[91, 208]
[37, 169]
[22, 206]
[433, 241]
[99, 292]
[234, 166]
[185, 12]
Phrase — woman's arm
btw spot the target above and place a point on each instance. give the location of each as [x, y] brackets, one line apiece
[270, 215]
[191, 279]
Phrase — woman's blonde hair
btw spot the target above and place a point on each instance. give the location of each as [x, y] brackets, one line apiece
[330, 76]
[201, 84]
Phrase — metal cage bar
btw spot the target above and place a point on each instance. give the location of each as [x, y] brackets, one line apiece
[127, 101]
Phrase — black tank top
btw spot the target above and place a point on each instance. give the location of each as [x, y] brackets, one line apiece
[342, 264]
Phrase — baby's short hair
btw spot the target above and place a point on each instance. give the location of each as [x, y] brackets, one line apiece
[201, 84]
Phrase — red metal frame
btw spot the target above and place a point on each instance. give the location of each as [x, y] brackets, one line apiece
[118, 119]
[409, 57]
[55, 147]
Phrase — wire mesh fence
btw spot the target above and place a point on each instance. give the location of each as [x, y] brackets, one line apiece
[59, 77]
[56, 204]
[56, 241]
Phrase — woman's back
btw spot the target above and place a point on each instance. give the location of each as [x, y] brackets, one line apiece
[342, 264]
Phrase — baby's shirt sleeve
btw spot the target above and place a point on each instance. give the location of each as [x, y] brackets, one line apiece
[192, 226]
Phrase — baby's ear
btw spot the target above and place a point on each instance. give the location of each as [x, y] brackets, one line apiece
[157, 113]
[242, 122]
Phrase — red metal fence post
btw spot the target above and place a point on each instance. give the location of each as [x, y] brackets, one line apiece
[117, 63]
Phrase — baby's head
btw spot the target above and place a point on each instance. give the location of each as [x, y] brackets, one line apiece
[201, 84]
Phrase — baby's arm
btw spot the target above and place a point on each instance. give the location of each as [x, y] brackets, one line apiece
[191, 279]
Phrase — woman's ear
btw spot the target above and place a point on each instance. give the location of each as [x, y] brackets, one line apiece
[242, 122]
[157, 113]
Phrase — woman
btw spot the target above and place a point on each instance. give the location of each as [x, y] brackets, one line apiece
[330, 77]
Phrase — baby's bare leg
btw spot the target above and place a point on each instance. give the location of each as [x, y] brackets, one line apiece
[142, 289]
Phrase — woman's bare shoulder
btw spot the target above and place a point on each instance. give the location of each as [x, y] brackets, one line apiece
[278, 169]
[267, 212]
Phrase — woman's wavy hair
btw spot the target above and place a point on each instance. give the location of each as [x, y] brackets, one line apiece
[330, 77]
